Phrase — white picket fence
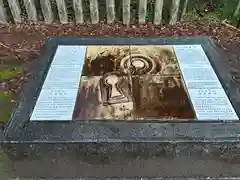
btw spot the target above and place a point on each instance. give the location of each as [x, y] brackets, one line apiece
[46, 9]
[48, 14]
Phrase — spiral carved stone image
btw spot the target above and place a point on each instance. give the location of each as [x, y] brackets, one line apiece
[132, 83]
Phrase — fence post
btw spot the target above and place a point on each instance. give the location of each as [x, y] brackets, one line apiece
[237, 11]
[184, 9]
[158, 12]
[3, 16]
[15, 10]
[62, 11]
[126, 12]
[94, 11]
[174, 12]
[47, 11]
[142, 10]
[77, 6]
[31, 10]
[110, 10]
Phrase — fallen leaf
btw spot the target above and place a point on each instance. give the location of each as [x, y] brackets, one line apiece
[12, 101]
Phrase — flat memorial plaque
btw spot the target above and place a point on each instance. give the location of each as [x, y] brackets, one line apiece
[123, 99]
[150, 82]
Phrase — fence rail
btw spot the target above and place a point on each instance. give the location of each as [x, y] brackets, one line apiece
[43, 10]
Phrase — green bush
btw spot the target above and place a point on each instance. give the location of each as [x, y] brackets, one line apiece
[220, 9]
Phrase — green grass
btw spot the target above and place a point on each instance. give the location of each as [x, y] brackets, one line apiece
[8, 70]
[9, 74]
[6, 105]
[224, 9]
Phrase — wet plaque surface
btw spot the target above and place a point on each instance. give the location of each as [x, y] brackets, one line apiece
[153, 82]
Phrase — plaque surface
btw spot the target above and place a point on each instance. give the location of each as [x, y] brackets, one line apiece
[128, 90]
[132, 82]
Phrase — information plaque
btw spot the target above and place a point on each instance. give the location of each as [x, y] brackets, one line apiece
[150, 82]
[127, 107]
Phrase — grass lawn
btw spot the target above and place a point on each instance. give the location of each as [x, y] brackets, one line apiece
[9, 74]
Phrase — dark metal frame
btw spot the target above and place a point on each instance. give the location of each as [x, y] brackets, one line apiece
[20, 129]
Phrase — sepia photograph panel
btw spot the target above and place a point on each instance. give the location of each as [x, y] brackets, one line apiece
[132, 83]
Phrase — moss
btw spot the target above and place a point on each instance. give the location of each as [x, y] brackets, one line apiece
[7, 73]
[7, 103]
[9, 69]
